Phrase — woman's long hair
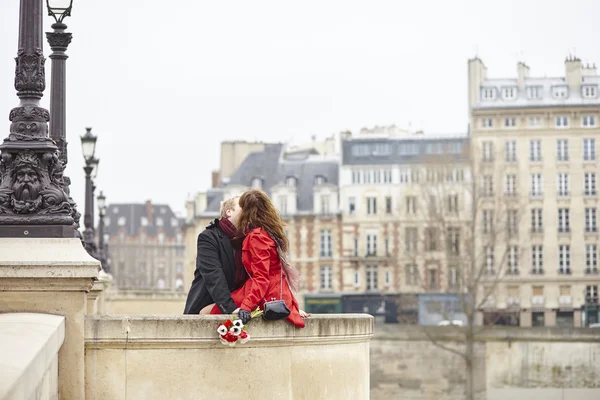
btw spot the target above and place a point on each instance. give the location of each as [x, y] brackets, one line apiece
[259, 212]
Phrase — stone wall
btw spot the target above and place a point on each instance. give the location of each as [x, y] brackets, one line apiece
[120, 302]
[510, 363]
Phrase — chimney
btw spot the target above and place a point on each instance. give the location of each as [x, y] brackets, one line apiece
[189, 209]
[573, 73]
[522, 74]
[149, 211]
[419, 132]
[201, 202]
[477, 74]
[216, 178]
[590, 70]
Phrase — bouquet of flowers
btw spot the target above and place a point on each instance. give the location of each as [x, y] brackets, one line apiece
[233, 330]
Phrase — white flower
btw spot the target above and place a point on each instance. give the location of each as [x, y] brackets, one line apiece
[238, 323]
[232, 343]
[222, 330]
[223, 341]
[236, 330]
[244, 340]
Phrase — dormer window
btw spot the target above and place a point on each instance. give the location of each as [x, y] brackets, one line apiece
[560, 92]
[361, 150]
[589, 92]
[382, 149]
[488, 93]
[509, 93]
[510, 122]
[122, 221]
[319, 180]
[159, 221]
[256, 183]
[290, 181]
[144, 221]
[534, 92]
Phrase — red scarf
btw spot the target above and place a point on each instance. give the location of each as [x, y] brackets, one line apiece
[236, 241]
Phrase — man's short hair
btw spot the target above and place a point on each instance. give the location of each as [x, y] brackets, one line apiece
[228, 204]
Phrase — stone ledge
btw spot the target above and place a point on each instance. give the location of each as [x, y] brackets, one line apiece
[190, 331]
[29, 343]
[486, 334]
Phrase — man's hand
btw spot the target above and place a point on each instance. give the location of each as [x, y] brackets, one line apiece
[244, 315]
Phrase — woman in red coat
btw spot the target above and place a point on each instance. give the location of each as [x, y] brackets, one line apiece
[264, 256]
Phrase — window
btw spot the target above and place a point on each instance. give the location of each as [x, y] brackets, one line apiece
[589, 92]
[538, 318]
[404, 175]
[591, 294]
[487, 221]
[538, 295]
[453, 236]
[513, 297]
[489, 260]
[388, 278]
[510, 185]
[455, 148]
[590, 220]
[453, 277]
[371, 277]
[355, 250]
[509, 93]
[564, 259]
[488, 93]
[410, 239]
[179, 268]
[513, 260]
[562, 150]
[387, 176]
[326, 243]
[588, 121]
[356, 279]
[560, 92]
[325, 204]
[589, 185]
[589, 149]
[563, 220]
[283, 205]
[320, 180]
[412, 274]
[534, 92]
[452, 203]
[536, 220]
[537, 259]
[159, 221]
[534, 122]
[290, 181]
[432, 279]
[564, 295]
[371, 205]
[591, 259]
[536, 185]
[411, 205]
[256, 183]
[356, 176]
[562, 183]
[562, 121]
[434, 148]
[510, 122]
[161, 238]
[326, 274]
[371, 244]
[488, 151]
[351, 205]
[160, 284]
[386, 243]
[408, 149]
[431, 239]
[121, 221]
[488, 185]
[382, 149]
[535, 150]
[361, 150]
[512, 223]
[388, 204]
[510, 151]
[487, 122]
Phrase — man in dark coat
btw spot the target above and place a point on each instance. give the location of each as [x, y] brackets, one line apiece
[214, 277]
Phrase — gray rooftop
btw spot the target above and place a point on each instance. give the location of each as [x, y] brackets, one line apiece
[156, 218]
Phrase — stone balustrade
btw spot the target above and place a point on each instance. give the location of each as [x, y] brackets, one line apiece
[180, 357]
[29, 345]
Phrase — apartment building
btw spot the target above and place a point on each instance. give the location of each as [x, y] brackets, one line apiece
[537, 137]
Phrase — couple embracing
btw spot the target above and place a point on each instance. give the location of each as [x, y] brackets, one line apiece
[242, 262]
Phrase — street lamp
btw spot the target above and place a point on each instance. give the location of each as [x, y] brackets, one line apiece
[88, 147]
[59, 9]
[102, 248]
[88, 144]
[29, 155]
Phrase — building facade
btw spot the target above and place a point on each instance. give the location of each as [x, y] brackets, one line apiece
[538, 137]
[146, 245]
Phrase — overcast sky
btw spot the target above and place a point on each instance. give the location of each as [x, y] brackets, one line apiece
[162, 83]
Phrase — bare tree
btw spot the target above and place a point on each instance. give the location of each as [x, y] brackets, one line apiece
[465, 226]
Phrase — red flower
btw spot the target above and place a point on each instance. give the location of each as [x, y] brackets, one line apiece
[228, 324]
[230, 337]
[244, 335]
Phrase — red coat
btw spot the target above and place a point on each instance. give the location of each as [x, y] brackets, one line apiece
[259, 256]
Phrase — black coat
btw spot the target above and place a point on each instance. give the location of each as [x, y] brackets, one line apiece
[214, 277]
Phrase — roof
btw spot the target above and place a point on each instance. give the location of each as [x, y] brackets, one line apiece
[394, 151]
[269, 166]
[156, 218]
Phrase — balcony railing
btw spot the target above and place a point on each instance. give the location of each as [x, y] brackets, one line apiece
[537, 300]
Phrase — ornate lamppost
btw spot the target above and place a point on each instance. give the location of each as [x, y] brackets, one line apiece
[34, 201]
[102, 246]
[88, 146]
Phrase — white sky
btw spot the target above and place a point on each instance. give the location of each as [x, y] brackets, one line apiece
[162, 83]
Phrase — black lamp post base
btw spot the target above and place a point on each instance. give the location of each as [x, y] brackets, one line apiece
[37, 231]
